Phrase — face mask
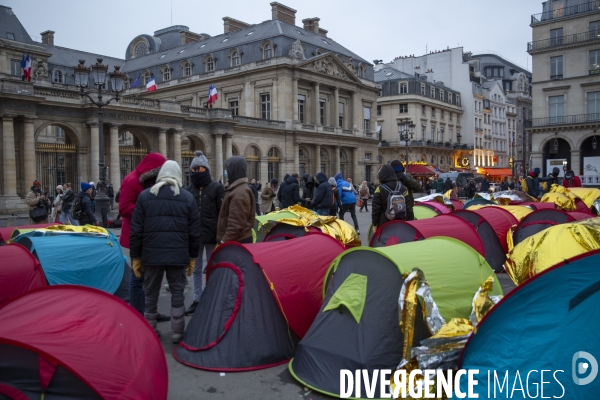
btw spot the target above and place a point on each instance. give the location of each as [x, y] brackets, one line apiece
[200, 179]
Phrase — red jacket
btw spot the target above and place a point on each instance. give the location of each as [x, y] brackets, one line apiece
[575, 182]
[131, 188]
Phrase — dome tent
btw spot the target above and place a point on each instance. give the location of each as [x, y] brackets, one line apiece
[358, 325]
[8, 233]
[564, 301]
[423, 212]
[257, 303]
[78, 342]
[282, 231]
[539, 220]
[20, 272]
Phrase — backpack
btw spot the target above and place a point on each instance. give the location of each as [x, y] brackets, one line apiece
[364, 192]
[77, 209]
[396, 203]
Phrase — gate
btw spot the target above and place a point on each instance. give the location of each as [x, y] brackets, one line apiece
[130, 158]
[186, 160]
[55, 164]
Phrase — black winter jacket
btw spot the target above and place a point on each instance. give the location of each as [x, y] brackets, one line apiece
[87, 216]
[412, 185]
[209, 203]
[323, 194]
[67, 200]
[387, 177]
[290, 193]
[165, 229]
[254, 192]
[309, 187]
[533, 186]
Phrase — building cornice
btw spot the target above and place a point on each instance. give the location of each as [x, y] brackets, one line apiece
[548, 89]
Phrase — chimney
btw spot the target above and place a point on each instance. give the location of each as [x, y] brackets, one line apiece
[311, 24]
[232, 25]
[48, 37]
[283, 13]
[191, 37]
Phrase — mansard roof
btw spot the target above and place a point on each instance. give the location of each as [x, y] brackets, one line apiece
[9, 23]
[390, 74]
[62, 56]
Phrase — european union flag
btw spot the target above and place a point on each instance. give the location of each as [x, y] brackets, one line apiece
[136, 83]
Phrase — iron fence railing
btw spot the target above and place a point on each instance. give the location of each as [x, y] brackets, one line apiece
[566, 120]
[563, 40]
[565, 12]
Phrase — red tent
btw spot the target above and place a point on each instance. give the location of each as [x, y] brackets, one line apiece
[458, 205]
[260, 299]
[5, 233]
[542, 219]
[436, 206]
[535, 204]
[394, 232]
[20, 272]
[78, 342]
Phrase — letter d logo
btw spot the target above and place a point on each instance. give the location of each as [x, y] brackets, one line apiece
[583, 367]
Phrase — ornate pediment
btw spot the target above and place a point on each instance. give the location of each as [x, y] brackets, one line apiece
[327, 64]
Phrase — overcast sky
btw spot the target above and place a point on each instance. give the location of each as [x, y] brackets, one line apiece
[375, 29]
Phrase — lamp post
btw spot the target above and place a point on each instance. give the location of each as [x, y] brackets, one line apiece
[458, 138]
[406, 131]
[98, 71]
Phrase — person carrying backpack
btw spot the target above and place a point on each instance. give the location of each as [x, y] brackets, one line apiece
[389, 201]
[82, 206]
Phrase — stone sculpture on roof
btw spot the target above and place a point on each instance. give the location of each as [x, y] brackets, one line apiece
[327, 66]
[41, 71]
[297, 51]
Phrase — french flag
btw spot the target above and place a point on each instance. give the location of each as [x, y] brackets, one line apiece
[26, 66]
[151, 85]
[212, 95]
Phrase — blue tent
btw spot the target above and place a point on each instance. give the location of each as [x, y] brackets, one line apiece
[78, 259]
[551, 323]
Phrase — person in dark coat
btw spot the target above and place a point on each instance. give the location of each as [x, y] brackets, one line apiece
[337, 202]
[165, 239]
[471, 189]
[110, 192]
[290, 193]
[447, 184]
[485, 185]
[87, 215]
[255, 187]
[412, 185]
[280, 189]
[323, 197]
[553, 179]
[533, 183]
[209, 198]
[387, 177]
[309, 189]
[439, 185]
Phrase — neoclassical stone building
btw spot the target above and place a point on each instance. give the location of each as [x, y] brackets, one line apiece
[291, 99]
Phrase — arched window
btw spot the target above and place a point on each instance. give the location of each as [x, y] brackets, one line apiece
[147, 77]
[267, 50]
[166, 73]
[141, 49]
[59, 77]
[235, 58]
[210, 64]
[187, 69]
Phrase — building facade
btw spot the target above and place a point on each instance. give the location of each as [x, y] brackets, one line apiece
[291, 99]
[565, 49]
[433, 108]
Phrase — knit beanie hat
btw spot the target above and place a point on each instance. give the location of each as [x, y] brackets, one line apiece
[397, 165]
[332, 181]
[274, 181]
[59, 187]
[85, 186]
[536, 171]
[199, 161]
[36, 183]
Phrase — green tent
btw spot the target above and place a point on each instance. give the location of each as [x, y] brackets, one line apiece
[423, 212]
[358, 325]
[272, 216]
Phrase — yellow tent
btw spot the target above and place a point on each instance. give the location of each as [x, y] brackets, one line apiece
[562, 200]
[519, 212]
[588, 196]
[551, 246]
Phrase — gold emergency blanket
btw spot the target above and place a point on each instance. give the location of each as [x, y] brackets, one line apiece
[86, 230]
[332, 226]
[562, 201]
[439, 197]
[505, 197]
[550, 247]
[588, 196]
[519, 212]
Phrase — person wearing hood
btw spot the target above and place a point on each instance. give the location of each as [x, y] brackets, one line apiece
[553, 179]
[290, 193]
[238, 211]
[387, 177]
[142, 177]
[57, 204]
[268, 197]
[471, 189]
[439, 185]
[533, 183]
[413, 185]
[165, 240]
[571, 180]
[447, 184]
[348, 198]
[323, 197]
[309, 189]
[209, 196]
[87, 213]
[67, 202]
[333, 210]
[280, 189]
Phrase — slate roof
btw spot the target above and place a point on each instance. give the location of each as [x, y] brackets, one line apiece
[70, 58]
[389, 73]
[260, 32]
[10, 23]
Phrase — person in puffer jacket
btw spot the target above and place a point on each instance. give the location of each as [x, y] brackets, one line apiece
[348, 198]
[323, 198]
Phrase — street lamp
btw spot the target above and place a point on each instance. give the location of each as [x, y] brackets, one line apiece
[98, 71]
[594, 142]
[406, 131]
[555, 145]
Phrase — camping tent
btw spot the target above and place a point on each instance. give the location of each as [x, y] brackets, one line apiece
[20, 272]
[476, 202]
[394, 232]
[260, 220]
[7, 233]
[259, 299]
[282, 231]
[358, 325]
[77, 342]
[438, 207]
[518, 211]
[546, 323]
[551, 246]
[537, 205]
[423, 212]
[80, 259]
[539, 220]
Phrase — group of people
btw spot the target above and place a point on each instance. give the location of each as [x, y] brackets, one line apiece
[535, 183]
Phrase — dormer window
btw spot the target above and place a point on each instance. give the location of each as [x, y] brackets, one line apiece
[163, 56]
[187, 69]
[11, 36]
[210, 64]
[267, 50]
[140, 49]
[249, 33]
[58, 77]
[235, 58]
[166, 73]
[180, 51]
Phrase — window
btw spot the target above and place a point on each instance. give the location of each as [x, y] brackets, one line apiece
[378, 110]
[249, 33]
[450, 100]
[422, 89]
[166, 74]
[15, 67]
[423, 130]
[147, 77]
[367, 156]
[126, 83]
[180, 51]
[422, 110]
[187, 69]
[442, 114]
[593, 105]
[235, 58]
[557, 108]
[403, 108]
[594, 61]
[267, 51]
[322, 111]
[458, 100]
[163, 56]
[451, 136]
[224, 40]
[265, 106]
[141, 49]
[403, 88]
[11, 36]
[432, 133]
[210, 64]
[441, 95]
[432, 112]
[433, 92]
[341, 114]
[556, 67]
[234, 107]
[556, 37]
[58, 76]
[366, 125]
[450, 117]
[366, 118]
[301, 105]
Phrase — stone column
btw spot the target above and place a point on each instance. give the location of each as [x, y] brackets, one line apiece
[356, 175]
[356, 112]
[264, 172]
[336, 159]
[296, 157]
[177, 146]
[9, 165]
[295, 98]
[228, 146]
[575, 163]
[162, 141]
[115, 158]
[373, 123]
[336, 106]
[94, 153]
[219, 159]
[317, 105]
[317, 158]
[29, 153]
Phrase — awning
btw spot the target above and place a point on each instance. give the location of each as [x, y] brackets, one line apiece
[497, 172]
[421, 170]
